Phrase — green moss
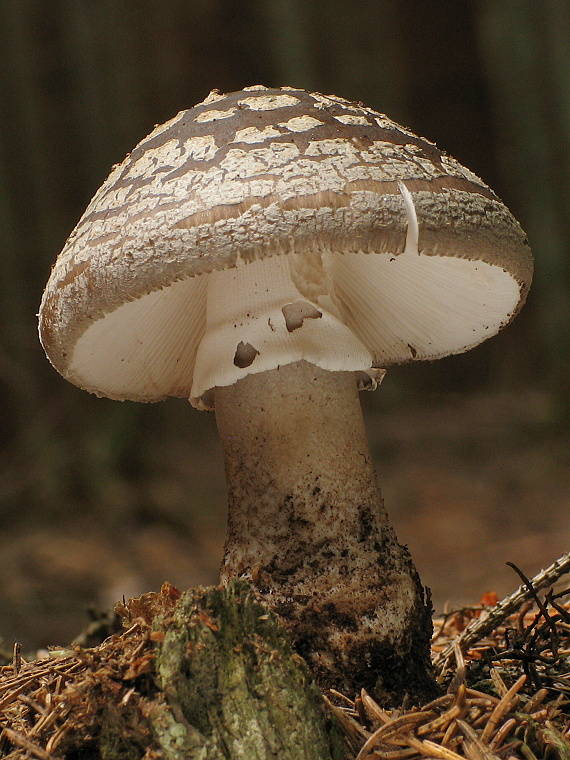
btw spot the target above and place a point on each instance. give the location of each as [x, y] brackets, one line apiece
[233, 683]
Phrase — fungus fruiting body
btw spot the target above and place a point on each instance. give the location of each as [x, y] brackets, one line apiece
[266, 254]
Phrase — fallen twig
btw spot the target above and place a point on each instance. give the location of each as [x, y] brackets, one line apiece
[495, 616]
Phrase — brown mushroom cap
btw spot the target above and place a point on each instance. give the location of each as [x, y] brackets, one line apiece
[269, 172]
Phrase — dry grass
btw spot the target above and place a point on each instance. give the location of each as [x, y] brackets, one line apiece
[505, 692]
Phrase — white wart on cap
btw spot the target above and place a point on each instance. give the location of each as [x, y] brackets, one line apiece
[268, 226]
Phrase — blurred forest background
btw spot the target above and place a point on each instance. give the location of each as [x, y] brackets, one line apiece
[100, 499]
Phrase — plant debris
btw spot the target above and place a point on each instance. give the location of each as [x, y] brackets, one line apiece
[505, 692]
[507, 695]
[66, 699]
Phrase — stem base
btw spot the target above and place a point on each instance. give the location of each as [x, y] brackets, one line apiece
[307, 526]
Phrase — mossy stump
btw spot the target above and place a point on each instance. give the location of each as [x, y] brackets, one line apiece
[232, 687]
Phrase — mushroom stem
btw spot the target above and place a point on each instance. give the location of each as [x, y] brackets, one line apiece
[307, 525]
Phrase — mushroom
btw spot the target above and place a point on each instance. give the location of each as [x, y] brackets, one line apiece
[266, 254]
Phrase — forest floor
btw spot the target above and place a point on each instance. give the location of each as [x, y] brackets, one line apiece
[504, 694]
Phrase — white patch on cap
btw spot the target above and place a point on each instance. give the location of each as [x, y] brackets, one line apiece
[239, 163]
[255, 135]
[212, 97]
[269, 102]
[200, 147]
[332, 100]
[330, 147]
[350, 118]
[301, 123]
[455, 168]
[215, 115]
[385, 123]
[160, 156]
